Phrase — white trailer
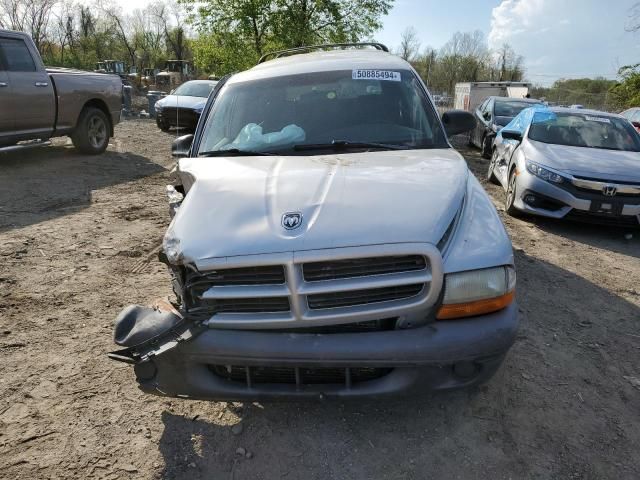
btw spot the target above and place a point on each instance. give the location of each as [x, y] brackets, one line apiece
[471, 94]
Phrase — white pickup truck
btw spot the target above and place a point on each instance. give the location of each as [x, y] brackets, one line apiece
[38, 103]
[330, 242]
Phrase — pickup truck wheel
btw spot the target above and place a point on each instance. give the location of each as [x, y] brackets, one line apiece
[510, 197]
[92, 133]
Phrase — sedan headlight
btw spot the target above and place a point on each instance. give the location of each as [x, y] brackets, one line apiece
[477, 292]
[543, 173]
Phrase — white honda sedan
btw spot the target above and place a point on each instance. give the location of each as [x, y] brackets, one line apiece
[569, 163]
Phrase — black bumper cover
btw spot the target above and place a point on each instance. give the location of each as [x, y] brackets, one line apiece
[422, 359]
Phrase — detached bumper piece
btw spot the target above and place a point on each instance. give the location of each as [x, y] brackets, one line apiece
[222, 364]
[147, 332]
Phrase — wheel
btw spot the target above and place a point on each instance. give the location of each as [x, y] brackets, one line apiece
[491, 176]
[510, 197]
[486, 147]
[470, 142]
[162, 125]
[91, 135]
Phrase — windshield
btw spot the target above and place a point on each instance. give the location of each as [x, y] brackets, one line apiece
[584, 130]
[195, 89]
[511, 108]
[280, 113]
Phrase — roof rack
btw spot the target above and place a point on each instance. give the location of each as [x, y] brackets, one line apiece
[308, 48]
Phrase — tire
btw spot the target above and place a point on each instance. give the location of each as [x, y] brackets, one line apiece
[491, 176]
[510, 196]
[485, 149]
[471, 141]
[92, 133]
[165, 127]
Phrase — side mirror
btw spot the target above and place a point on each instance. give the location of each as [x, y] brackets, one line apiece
[511, 135]
[181, 146]
[458, 121]
[486, 115]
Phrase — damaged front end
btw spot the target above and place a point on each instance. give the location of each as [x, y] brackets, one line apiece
[148, 331]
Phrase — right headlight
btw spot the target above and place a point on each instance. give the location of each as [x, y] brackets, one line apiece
[171, 246]
[477, 292]
[543, 173]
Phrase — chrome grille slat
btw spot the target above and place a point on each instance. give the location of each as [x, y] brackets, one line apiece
[378, 281]
[264, 291]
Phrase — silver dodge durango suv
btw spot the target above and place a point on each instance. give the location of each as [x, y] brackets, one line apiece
[327, 241]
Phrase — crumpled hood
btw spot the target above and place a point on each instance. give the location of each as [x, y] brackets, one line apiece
[586, 162]
[235, 205]
[182, 101]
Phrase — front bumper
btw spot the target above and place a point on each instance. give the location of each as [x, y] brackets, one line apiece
[184, 118]
[438, 356]
[589, 207]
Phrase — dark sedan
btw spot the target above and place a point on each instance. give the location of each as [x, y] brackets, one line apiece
[182, 108]
[493, 114]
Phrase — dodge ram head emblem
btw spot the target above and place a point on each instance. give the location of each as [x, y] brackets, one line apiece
[291, 220]
[609, 190]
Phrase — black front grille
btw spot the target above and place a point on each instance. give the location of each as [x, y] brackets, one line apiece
[609, 182]
[361, 297]
[247, 305]
[298, 375]
[362, 267]
[603, 218]
[382, 325]
[595, 194]
[180, 116]
[269, 275]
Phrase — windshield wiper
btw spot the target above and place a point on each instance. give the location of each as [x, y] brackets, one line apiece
[345, 145]
[232, 152]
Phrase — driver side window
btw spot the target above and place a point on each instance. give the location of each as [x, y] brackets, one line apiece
[488, 108]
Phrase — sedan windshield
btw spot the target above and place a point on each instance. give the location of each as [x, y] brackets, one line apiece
[511, 108]
[195, 89]
[327, 111]
[585, 130]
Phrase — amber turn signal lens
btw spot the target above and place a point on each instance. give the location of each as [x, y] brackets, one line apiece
[478, 307]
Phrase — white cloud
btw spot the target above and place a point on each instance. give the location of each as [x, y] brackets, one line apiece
[565, 37]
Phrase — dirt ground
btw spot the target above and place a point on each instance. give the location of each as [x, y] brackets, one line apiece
[78, 237]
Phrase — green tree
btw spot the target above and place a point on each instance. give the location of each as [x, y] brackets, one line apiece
[249, 28]
[626, 94]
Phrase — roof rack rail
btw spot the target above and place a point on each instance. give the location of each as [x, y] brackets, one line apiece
[308, 48]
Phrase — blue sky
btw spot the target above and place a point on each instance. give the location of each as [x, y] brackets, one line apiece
[436, 20]
[557, 38]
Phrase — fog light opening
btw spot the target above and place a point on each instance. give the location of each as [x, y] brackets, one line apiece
[540, 201]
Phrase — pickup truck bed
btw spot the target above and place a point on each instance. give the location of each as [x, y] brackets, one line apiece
[48, 102]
